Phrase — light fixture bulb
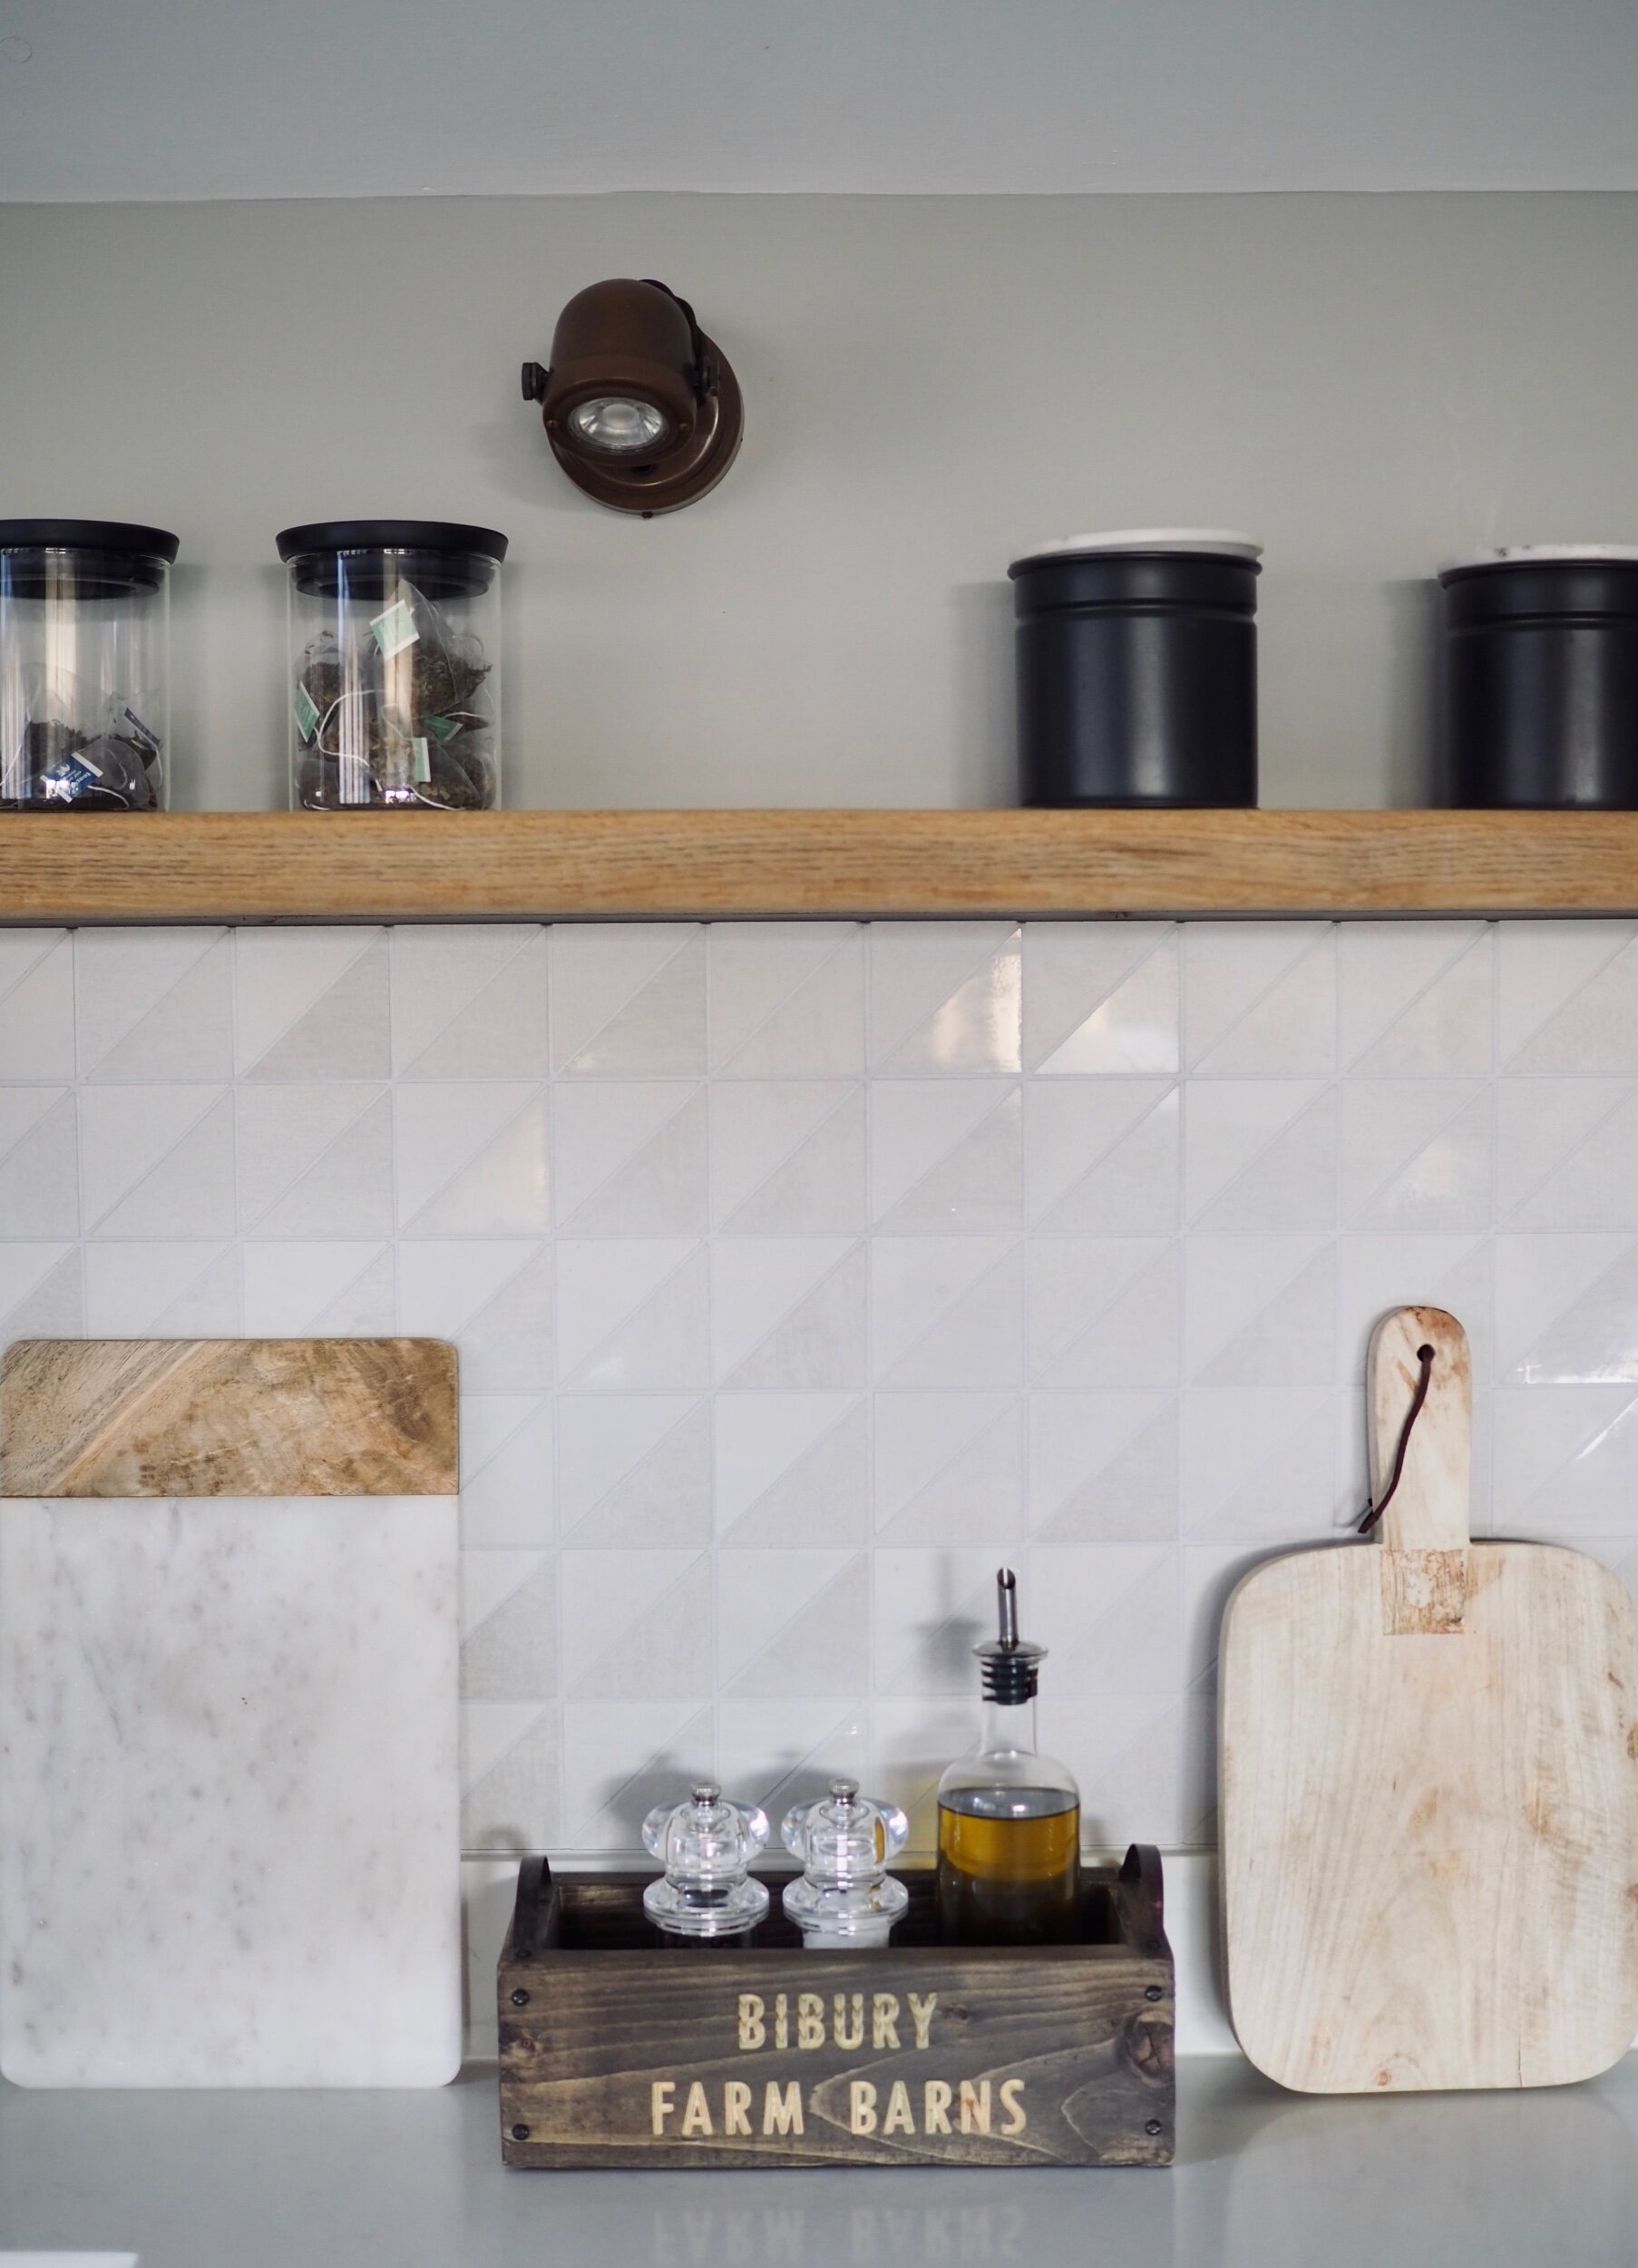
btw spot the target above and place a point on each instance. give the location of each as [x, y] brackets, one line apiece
[618, 426]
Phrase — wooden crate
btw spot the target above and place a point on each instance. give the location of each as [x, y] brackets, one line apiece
[618, 2051]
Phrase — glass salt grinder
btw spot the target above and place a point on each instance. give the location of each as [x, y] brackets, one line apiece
[705, 1844]
[846, 1899]
[1009, 1819]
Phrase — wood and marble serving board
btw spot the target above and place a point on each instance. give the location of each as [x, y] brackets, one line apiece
[229, 1765]
[1429, 1782]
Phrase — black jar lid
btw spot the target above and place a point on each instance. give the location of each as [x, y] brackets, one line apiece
[115, 556]
[459, 560]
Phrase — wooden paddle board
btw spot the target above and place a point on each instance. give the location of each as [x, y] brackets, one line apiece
[1429, 1782]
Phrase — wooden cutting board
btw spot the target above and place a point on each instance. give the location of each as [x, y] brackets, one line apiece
[228, 1790]
[1429, 1782]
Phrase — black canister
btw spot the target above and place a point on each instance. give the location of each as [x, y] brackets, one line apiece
[1541, 680]
[1137, 669]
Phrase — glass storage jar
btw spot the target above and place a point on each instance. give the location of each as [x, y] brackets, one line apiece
[394, 665]
[84, 665]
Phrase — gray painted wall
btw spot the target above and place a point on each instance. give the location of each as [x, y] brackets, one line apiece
[350, 98]
[1368, 383]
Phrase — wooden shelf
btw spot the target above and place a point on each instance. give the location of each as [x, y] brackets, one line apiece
[610, 865]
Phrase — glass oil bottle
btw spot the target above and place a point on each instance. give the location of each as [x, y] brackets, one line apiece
[1009, 1818]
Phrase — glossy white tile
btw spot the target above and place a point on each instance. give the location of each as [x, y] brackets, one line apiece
[154, 1004]
[946, 1157]
[1260, 1154]
[635, 1471]
[469, 1002]
[1101, 997]
[1102, 1156]
[787, 1157]
[36, 1004]
[1104, 1467]
[949, 1468]
[1260, 998]
[628, 998]
[312, 1003]
[803, 1274]
[786, 999]
[630, 1158]
[945, 997]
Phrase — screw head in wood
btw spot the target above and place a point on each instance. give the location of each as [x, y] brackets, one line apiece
[520, 2133]
[1150, 1992]
[1150, 2125]
[520, 1999]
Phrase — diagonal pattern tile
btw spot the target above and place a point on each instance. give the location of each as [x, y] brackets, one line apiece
[637, 1471]
[509, 1642]
[154, 1004]
[322, 1013]
[1402, 984]
[1260, 998]
[1104, 1467]
[506, 1472]
[1101, 997]
[511, 1776]
[786, 999]
[631, 1159]
[1260, 1154]
[791, 1468]
[469, 1002]
[1105, 1312]
[622, 1757]
[39, 1162]
[661, 1342]
[944, 1167]
[1102, 1156]
[945, 996]
[1569, 997]
[949, 1468]
[315, 1160]
[770, 1652]
[629, 999]
[41, 1295]
[37, 1004]
[789, 1313]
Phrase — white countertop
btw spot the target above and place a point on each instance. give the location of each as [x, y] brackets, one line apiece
[1263, 2180]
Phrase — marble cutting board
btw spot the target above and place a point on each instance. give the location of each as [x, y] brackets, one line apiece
[228, 1790]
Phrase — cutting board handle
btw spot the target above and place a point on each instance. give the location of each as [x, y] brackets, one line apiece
[1425, 1529]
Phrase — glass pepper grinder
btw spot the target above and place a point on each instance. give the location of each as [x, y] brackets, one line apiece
[705, 1845]
[845, 1899]
[1009, 1818]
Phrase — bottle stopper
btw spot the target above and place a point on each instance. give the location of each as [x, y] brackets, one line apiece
[846, 1897]
[706, 1846]
[1011, 1665]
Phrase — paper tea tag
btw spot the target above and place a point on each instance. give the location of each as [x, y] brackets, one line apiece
[443, 728]
[144, 733]
[423, 770]
[394, 629]
[68, 779]
[307, 712]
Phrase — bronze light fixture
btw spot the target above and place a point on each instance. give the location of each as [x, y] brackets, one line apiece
[640, 407]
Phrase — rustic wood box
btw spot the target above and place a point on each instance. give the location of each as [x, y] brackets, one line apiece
[616, 2050]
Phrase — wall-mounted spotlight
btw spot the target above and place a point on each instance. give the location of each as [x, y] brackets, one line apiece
[640, 407]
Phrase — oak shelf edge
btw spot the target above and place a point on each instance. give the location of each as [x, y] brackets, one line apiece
[837, 864]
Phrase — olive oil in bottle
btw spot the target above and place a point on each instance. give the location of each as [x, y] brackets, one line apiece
[1009, 1819]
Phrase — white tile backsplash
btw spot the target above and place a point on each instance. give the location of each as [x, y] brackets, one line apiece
[801, 1272]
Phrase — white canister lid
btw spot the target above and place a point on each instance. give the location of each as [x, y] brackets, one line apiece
[1542, 555]
[1211, 543]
